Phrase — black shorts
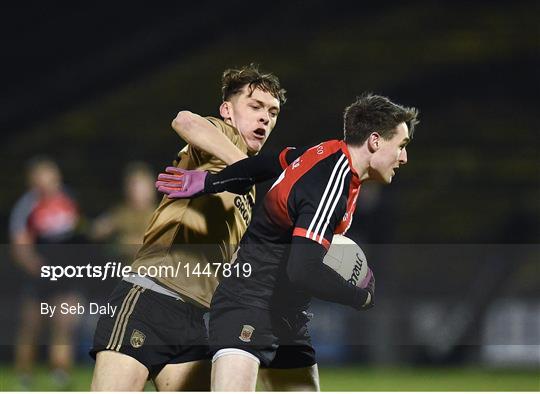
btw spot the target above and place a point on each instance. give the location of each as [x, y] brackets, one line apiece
[278, 339]
[153, 328]
[43, 289]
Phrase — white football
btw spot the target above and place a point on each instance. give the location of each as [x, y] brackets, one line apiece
[347, 259]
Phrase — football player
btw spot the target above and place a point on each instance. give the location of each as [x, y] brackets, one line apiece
[159, 331]
[260, 319]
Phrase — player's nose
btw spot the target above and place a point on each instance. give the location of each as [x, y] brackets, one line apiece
[265, 118]
[403, 157]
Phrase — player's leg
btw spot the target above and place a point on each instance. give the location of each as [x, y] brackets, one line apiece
[290, 379]
[61, 351]
[26, 341]
[241, 338]
[188, 367]
[122, 362]
[294, 368]
[115, 371]
[234, 370]
[164, 337]
[188, 376]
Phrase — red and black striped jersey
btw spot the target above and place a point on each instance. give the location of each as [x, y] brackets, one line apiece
[314, 197]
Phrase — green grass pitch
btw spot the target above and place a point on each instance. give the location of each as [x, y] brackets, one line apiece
[359, 378]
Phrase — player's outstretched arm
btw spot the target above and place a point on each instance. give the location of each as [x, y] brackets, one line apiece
[199, 132]
[237, 178]
[305, 269]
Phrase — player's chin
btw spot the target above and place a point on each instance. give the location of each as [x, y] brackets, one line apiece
[389, 177]
[255, 145]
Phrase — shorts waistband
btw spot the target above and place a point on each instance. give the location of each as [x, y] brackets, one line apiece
[151, 285]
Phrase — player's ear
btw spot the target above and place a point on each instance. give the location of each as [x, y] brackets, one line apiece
[374, 141]
[225, 110]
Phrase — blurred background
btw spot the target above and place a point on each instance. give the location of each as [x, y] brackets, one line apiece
[454, 241]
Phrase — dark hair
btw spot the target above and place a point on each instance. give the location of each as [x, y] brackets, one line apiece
[372, 113]
[234, 80]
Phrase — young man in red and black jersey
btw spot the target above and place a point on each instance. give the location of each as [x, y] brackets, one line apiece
[43, 221]
[261, 319]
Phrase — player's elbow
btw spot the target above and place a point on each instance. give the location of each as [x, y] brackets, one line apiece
[184, 123]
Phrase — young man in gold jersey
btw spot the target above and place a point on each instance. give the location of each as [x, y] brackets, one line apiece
[158, 330]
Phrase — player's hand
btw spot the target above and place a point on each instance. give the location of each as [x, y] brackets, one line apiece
[369, 284]
[180, 183]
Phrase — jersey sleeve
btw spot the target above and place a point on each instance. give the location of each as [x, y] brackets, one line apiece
[225, 128]
[290, 154]
[18, 220]
[305, 269]
[318, 204]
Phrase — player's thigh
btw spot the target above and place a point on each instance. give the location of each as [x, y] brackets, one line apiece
[290, 379]
[188, 376]
[234, 372]
[30, 319]
[118, 372]
[247, 328]
[63, 325]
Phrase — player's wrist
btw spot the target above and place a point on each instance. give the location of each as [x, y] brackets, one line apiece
[210, 183]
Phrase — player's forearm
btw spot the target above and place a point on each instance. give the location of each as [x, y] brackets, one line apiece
[236, 178]
[240, 176]
[199, 132]
[306, 270]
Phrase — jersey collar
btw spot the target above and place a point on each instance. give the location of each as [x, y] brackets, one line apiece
[345, 150]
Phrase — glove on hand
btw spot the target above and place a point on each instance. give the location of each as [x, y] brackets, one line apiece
[180, 183]
[369, 284]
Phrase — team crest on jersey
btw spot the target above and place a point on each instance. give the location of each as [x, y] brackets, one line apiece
[247, 332]
[137, 339]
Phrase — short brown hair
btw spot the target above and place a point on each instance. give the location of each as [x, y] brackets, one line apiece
[234, 80]
[372, 113]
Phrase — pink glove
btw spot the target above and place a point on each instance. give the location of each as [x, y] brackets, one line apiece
[369, 284]
[369, 281]
[180, 183]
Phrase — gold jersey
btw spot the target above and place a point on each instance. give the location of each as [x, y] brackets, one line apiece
[205, 230]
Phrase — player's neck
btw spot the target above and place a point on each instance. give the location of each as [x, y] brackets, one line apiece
[360, 160]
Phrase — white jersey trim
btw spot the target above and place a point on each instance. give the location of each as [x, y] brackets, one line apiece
[322, 215]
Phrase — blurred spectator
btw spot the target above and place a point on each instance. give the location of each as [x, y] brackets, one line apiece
[43, 221]
[127, 221]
